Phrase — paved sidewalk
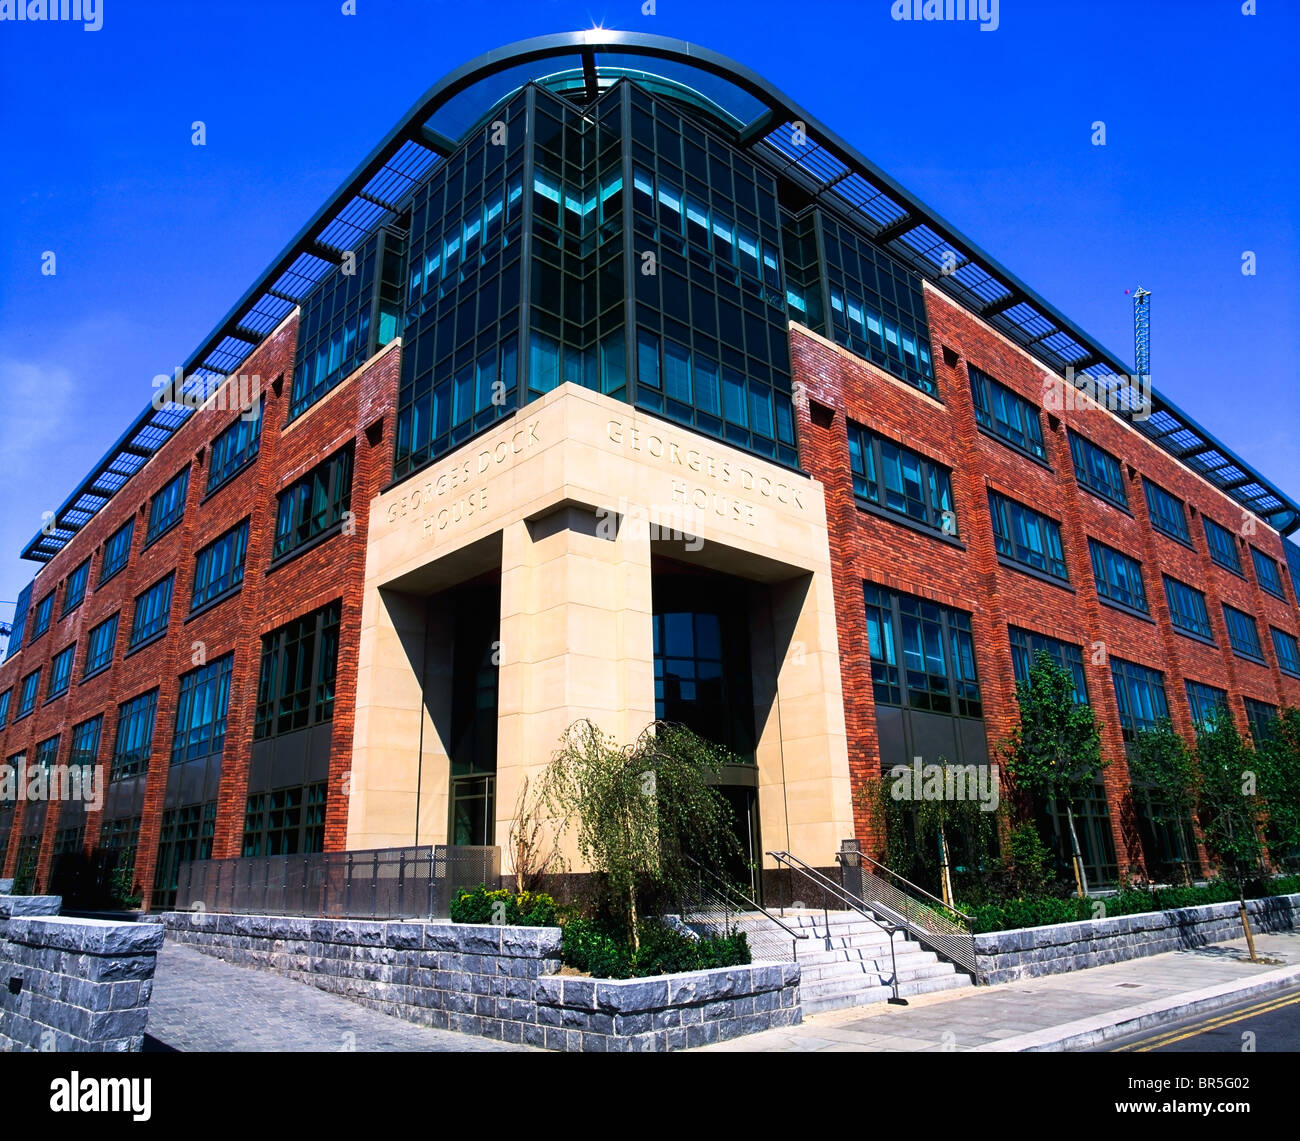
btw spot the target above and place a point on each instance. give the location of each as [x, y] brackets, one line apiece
[202, 1003]
[1071, 1011]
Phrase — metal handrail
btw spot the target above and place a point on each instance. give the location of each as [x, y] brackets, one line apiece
[736, 893]
[826, 884]
[919, 890]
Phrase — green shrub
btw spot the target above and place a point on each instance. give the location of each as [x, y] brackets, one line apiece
[601, 950]
[1040, 911]
[527, 909]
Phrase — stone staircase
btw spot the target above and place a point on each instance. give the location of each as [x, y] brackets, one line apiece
[850, 964]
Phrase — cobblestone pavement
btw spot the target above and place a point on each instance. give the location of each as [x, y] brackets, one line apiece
[202, 1003]
[1012, 1015]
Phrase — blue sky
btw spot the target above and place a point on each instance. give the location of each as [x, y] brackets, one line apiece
[156, 238]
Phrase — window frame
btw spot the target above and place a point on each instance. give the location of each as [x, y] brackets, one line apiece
[1049, 530]
[1281, 638]
[1088, 455]
[135, 641]
[160, 522]
[1213, 529]
[1172, 586]
[107, 569]
[984, 389]
[1157, 498]
[90, 669]
[280, 647]
[1098, 552]
[338, 502]
[934, 480]
[123, 764]
[1247, 623]
[237, 539]
[1273, 574]
[74, 595]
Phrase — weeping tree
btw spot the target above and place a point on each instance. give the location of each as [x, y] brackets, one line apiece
[1055, 749]
[1160, 760]
[641, 812]
[1229, 806]
[943, 817]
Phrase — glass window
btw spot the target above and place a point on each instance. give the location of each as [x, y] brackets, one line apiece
[201, 711]
[1243, 634]
[236, 447]
[295, 686]
[1006, 414]
[100, 646]
[60, 672]
[286, 822]
[41, 617]
[47, 753]
[134, 740]
[152, 611]
[75, 591]
[185, 836]
[1025, 644]
[1168, 514]
[1267, 574]
[1288, 652]
[1205, 701]
[922, 654]
[1140, 693]
[117, 551]
[877, 306]
[901, 480]
[219, 567]
[1223, 547]
[1098, 470]
[1026, 537]
[27, 693]
[314, 503]
[1260, 716]
[167, 508]
[4, 706]
[85, 742]
[1187, 608]
[1119, 578]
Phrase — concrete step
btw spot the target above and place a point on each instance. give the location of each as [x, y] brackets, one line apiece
[903, 952]
[838, 972]
[843, 995]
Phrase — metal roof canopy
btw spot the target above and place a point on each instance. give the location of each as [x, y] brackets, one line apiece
[834, 171]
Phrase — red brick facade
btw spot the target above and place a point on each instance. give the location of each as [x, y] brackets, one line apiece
[968, 575]
[268, 597]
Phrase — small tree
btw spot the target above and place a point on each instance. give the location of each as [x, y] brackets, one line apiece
[643, 811]
[1055, 749]
[1278, 763]
[534, 840]
[1161, 761]
[1228, 805]
[942, 818]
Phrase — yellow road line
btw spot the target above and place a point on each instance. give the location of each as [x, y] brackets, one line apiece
[1211, 1024]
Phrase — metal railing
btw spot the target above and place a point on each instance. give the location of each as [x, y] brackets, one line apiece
[715, 907]
[828, 887]
[934, 924]
[379, 883]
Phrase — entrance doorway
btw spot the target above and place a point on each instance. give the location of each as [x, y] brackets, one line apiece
[475, 610]
[703, 680]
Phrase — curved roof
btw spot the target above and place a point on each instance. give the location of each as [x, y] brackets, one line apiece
[763, 120]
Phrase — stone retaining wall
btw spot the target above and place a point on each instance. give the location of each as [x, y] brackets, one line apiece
[1005, 956]
[73, 984]
[497, 982]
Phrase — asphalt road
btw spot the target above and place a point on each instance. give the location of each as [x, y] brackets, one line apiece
[1268, 1024]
